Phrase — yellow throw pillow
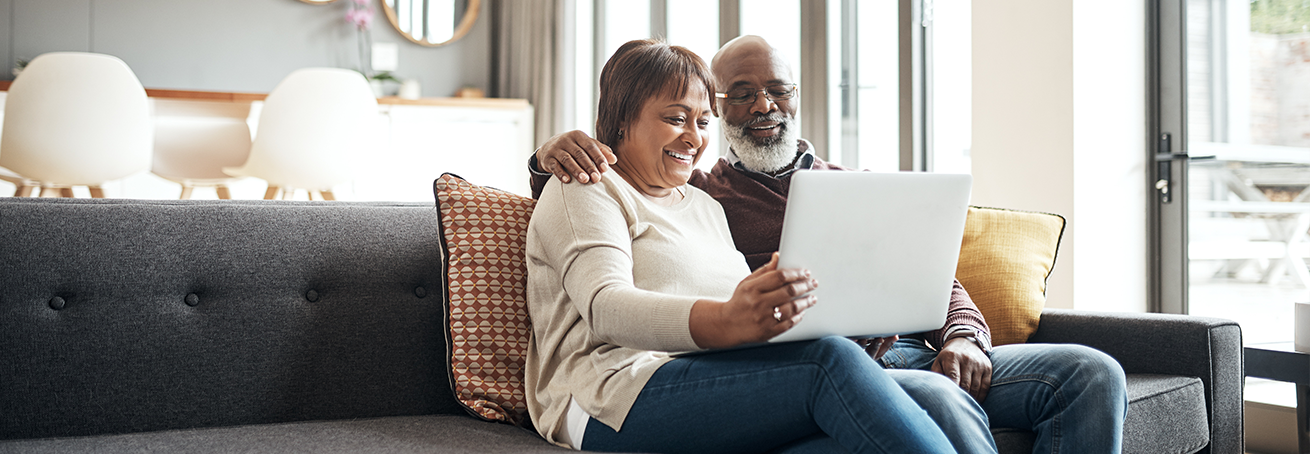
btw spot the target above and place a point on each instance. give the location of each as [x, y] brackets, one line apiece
[1005, 259]
[483, 232]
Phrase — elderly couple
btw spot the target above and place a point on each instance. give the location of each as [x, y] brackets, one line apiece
[625, 266]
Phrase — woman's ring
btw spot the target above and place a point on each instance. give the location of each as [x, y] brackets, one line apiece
[777, 314]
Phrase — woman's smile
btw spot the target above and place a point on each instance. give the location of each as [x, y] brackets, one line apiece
[684, 157]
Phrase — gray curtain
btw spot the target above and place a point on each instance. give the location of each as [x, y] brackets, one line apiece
[526, 54]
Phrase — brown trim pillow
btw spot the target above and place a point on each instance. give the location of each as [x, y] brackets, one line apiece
[482, 242]
[1005, 258]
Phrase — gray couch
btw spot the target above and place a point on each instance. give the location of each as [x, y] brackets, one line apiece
[253, 326]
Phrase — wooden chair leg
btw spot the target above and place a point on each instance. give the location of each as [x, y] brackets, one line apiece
[97, 192]
[24, 190]
[66, 192]
[186, 192]
[327, 195]
[271, 193]
[50, 192]
[223, 192]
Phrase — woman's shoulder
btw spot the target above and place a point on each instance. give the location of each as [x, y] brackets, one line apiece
[701, 198]
[576, 196]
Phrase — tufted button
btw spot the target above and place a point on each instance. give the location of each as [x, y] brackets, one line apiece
[420, 291]
[192, 299]
[312, 296]
[57, 303]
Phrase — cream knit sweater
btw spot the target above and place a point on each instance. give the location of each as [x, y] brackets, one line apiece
[612, 278]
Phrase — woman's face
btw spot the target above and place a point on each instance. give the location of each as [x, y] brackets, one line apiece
[662, 145]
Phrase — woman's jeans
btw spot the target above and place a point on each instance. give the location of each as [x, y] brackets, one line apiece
[813, 396]
[1074, 397]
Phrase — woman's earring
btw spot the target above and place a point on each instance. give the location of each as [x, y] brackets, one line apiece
[620, 133]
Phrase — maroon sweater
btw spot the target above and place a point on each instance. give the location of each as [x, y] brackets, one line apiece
[754, 204]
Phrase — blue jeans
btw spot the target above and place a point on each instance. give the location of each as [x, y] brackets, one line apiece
[1072, 396]
[816, 396]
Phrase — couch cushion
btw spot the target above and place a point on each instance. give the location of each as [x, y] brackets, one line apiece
[124, 316]
[407, 434]
[1166, 415]
[483, 232]
[1005, 258]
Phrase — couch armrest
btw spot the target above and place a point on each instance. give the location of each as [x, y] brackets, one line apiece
[1144, 343]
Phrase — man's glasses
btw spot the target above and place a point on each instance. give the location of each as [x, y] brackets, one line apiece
[775, 93]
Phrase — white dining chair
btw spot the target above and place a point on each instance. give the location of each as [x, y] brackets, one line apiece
[23, 187]
[195, 140]
[75, 119]
[312, 132]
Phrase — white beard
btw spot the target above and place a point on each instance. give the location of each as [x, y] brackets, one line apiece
[767, 154]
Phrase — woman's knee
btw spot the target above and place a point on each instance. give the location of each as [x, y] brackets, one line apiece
[839, 348]
[839, 355]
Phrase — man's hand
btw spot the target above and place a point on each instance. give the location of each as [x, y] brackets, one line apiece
[877, 346]
[574, 153]
[967, 365]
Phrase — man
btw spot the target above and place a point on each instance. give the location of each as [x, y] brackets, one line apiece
[1072, 396]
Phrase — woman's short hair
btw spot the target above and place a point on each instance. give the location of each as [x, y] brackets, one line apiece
[639, 71]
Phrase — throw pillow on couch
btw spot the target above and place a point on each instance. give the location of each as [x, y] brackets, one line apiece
[1005, 258]
[482, 242]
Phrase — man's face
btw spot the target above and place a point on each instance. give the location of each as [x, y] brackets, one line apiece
[761, 131]
[754, 69]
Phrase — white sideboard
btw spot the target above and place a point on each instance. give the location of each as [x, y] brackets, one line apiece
[484, 140]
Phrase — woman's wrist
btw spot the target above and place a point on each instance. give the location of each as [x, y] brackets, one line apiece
[706, 325]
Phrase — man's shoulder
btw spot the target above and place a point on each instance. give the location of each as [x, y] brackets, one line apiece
[701, 179]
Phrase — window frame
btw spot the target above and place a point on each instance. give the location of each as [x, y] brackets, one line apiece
[1166, 147]
[915, 47]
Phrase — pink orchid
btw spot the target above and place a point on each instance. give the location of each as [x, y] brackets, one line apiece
[361, 14]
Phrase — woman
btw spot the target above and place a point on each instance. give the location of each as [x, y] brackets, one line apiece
[623, 272]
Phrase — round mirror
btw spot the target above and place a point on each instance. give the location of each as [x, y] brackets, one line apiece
[432, 22]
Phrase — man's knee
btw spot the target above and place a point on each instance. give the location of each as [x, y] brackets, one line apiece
[1091, 367]
[1096, 362]
[924, 382]
[938, 395]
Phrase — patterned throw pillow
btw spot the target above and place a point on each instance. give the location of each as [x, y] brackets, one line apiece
[1005, 259]
[483, 232]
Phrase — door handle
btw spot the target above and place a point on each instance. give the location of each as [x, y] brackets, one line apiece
[1164, 159]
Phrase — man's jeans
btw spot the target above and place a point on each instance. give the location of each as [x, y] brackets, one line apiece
[818, 396]
[1074, 397]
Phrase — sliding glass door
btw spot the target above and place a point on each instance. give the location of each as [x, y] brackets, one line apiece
[1246, 110]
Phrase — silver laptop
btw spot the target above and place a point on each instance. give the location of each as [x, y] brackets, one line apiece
[883, 247]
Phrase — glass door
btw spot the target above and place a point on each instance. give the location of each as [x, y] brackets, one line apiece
[1248, 182]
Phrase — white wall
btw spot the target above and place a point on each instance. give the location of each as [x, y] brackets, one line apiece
[1059, 127]
[1110, 128]
[229, 45]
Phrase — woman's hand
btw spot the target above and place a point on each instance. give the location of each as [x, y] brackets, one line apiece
[765, 304]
